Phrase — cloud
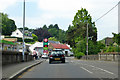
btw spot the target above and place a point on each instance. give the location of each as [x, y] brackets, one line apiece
[62, 5]
[6, 3]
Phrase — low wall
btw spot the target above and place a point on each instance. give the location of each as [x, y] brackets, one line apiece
[111, 56]
[9, 57]
[90, 57]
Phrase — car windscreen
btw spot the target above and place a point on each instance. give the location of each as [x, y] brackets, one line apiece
[56, 52]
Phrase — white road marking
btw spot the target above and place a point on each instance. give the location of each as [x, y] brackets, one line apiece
[87, 70]
[100, 69]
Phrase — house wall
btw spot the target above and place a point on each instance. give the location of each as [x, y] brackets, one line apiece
[68, 52]
[17, 33]
[39, 50]
[50, 47]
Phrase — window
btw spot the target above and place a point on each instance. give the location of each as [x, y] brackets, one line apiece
[17, 33]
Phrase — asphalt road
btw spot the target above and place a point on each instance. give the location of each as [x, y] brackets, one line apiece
[73, 69]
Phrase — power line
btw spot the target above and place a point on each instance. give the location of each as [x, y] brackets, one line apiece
[107, 12]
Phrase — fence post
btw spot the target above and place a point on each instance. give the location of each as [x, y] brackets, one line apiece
[106, 57]
[113, 57]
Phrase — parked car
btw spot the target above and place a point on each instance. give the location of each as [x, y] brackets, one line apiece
[44, 56]
[57, 55]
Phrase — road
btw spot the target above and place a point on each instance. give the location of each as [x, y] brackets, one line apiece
[73, 68]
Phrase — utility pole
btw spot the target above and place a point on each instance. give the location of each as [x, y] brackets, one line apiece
[87, 41]
[118, 17]
[23, 30]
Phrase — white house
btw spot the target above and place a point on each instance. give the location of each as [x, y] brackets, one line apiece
[38, 47]
[18, 33]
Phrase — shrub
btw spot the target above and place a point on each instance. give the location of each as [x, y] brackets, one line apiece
[29, 40]
[79, 55]
[112, 49]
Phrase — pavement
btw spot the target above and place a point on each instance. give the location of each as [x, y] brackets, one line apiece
[12, 70]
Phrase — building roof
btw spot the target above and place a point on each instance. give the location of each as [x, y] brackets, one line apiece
[59, 46]
[109, 41]
[7, 42]
[37, 44]
[49, 41]
[10, 39]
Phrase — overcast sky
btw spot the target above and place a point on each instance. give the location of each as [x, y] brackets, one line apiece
[62, 12]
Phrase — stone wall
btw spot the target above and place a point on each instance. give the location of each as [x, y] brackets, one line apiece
[111, 56]
[9, 57]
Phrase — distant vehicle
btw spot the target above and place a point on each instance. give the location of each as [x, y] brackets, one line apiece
[44, 56]
[57, 55]
[71, 53]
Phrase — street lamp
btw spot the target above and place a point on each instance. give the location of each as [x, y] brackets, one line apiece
[23, 30]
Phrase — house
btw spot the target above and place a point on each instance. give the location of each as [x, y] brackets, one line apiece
[19, 33]
[108, 41]
[38, 47]
[18, 45]
[63, 47]
[8, 45]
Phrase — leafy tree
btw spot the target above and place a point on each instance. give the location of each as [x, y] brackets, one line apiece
[41, 34]
[26, 28]
[50, 26]
[56, 26]
[77, 32]
[8, 25]
[53, 32]
[35, 38]
[44, 27]
[52, 39]
[116, 38]
[61, 36]
[100, 46]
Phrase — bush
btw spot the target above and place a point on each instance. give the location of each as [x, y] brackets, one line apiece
[29, 40]
[112, 49]
[79, 55]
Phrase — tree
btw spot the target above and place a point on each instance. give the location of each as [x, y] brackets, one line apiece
[54, 32]
[44, 27]
[52, 39]
[56, 26]
[41, 34]
[116, 38]
[61, 36]
[77, 32]
[50, 26]
[35, 38]
[8, 25]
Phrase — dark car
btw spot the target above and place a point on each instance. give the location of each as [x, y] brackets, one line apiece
[56, 56]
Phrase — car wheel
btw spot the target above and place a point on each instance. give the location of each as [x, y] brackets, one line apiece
[50, 61]
[63, 61]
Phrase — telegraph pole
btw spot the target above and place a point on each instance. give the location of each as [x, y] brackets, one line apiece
[87, 41]
[118, 17]
[23, 30]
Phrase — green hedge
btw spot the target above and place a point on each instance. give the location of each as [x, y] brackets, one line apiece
[79, 55]
[112, 49]
[7, 42]
[31, 41]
